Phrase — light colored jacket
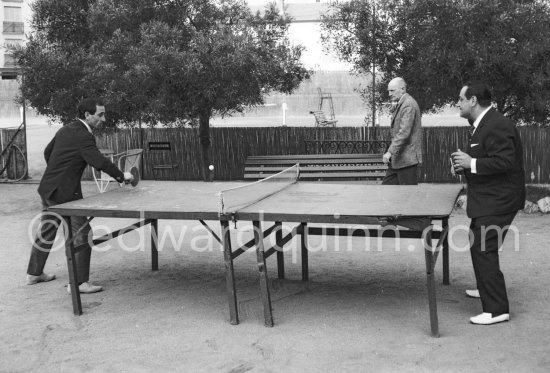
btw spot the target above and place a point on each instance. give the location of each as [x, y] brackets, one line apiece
[406, 133]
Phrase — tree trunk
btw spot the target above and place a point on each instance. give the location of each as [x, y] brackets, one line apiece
[204, 136]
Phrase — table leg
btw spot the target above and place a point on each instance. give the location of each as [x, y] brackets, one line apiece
[154, 247]
[305, 258]
[280, 252]
[229, 273]
[71, 265]
[445, 250]
[430, 277]
[264, 283]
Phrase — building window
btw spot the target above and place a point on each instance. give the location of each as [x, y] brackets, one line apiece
[14, 28]
[13, 21]
[13, 13]
[9, 60]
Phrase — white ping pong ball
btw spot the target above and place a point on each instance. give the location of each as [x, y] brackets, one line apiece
[211, 167]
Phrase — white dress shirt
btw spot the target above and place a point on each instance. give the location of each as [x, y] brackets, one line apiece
[476, 123]
[86, 124]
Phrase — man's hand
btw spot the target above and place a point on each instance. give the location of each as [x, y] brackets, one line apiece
[128, 177]
[386, 158]
[461, 161]
[452, 167]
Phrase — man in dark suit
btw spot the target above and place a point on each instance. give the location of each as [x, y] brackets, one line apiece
[72, 148]
[493, 166]
[405, 151]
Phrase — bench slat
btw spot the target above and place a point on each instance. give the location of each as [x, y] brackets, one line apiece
[339, 175]
[325, 176]
[358, 168]
[316, 156]
[367, 167]
[292, 162]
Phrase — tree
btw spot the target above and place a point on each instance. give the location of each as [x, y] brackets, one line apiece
[358, 30]
[438, 46]
[175, 62]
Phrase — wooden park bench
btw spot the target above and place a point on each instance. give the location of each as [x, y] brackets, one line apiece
[321, 119]
[319, 167]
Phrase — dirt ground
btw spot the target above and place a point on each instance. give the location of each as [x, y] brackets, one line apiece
[364, 309]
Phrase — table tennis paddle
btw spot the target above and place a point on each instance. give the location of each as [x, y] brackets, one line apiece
[136, 177]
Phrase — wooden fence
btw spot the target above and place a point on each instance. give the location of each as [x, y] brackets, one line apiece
[231, 146]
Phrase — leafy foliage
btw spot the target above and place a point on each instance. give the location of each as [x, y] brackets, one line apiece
[169, 61]
[437, 46]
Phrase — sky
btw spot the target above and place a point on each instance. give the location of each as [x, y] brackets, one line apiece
[308, 35]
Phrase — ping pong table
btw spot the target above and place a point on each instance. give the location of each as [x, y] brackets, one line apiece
[338, 208]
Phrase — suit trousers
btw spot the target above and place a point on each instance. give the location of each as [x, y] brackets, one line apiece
[405, 176]
[488, 235]
[401, 176]
[44, 240]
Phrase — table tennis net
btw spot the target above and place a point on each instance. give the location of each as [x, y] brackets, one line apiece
[240, 197]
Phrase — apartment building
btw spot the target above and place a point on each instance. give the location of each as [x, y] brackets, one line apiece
[15, 15]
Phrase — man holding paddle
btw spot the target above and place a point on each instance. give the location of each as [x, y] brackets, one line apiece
[67, 155]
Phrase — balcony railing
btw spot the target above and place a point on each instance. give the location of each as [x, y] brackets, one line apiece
[346, 146]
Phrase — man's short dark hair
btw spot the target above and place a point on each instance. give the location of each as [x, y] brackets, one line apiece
[481, 91]
[88, 105]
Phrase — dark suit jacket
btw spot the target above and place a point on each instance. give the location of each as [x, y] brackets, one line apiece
[72, 148]
[498, 187]
[406, 133]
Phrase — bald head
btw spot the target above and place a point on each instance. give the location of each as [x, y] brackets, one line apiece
[397, 88]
